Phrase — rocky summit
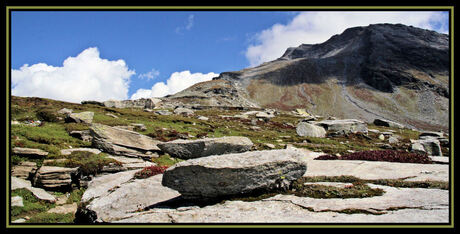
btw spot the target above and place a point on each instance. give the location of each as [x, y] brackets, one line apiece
[351, 130]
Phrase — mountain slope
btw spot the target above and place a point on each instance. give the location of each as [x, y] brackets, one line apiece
[388, 71]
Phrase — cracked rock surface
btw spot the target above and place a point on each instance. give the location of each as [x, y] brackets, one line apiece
[119, 198]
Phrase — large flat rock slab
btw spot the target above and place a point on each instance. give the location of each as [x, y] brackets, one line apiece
[392, 199]
[375, 169]
[395, 206]
[123, 142]
[115, 196]
[187, 149]
[234, 174]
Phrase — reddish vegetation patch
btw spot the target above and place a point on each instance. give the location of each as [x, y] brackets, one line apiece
[150, 171]
[381, 155]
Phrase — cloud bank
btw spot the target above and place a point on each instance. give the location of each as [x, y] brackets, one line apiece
[84, 77]
[317, 27]
[178, 81]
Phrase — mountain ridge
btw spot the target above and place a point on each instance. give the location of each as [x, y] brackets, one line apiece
[382, 70]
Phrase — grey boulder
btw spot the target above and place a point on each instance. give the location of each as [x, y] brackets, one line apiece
[343, 126]
[310, 130]
[431, 147]
[216, 176]
[187, 149]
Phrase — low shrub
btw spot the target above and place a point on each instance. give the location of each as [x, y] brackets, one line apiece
[150, 171]
[382, 155]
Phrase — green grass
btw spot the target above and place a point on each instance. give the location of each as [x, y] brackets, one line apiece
[31, 207]
[89, 163]
[75, 196]
[166, 160]
[52, 218]
[50, 137]
[357, 190]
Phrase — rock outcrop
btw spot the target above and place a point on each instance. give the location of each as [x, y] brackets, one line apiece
[234, 174]
[123, 142]
[56, 178]
[187, 149]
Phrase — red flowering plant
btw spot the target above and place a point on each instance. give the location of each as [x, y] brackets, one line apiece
[150, 171]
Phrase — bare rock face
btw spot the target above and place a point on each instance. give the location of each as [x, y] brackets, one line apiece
[187, 149]
[343, 126]
[55, 178]
[123, 142]
[234, 174]
[310, 130]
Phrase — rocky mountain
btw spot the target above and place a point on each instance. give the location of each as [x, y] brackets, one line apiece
[389, 71]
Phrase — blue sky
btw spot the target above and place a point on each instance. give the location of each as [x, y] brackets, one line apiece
[138, 50]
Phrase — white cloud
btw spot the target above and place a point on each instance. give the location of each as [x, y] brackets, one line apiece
[190, 22]
[152, 74]
[188, 26]
[317, 27]
[84, 77]
[178, 81]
